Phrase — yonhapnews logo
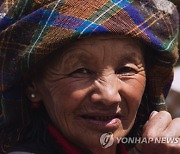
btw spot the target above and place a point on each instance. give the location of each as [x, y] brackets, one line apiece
[107, 139]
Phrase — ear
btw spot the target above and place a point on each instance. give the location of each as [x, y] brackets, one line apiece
[32, 93]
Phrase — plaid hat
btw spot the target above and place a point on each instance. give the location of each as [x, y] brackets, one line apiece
[32, 29]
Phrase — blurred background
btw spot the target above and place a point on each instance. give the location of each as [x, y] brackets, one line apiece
[173, 99]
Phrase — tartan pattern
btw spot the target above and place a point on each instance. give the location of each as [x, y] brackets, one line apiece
[32, 29]
[6, 5]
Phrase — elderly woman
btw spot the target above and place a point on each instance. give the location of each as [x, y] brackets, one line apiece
[76, 76]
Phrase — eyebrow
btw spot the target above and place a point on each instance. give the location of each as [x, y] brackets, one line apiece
[134, 58]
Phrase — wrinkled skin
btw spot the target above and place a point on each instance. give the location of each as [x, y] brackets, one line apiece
[95, 87]
[100, 77]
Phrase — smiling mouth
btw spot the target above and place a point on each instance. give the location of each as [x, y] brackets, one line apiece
[102, 122]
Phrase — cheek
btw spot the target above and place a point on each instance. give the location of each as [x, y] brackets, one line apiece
[68, 97]
[135, 93]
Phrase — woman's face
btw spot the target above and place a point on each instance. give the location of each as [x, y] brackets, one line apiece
[95, 87]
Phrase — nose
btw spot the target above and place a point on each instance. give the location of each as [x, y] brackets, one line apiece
[107, 90]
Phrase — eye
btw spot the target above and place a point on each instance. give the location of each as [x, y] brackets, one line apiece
[81, 72]
[127, 71]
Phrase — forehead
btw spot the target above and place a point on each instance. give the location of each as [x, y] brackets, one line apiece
[99, 52]
[105, 46]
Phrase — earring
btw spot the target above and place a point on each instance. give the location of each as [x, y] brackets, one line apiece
[33, 95]
[34, 105]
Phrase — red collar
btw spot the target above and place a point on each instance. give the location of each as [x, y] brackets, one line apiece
[69, 148]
